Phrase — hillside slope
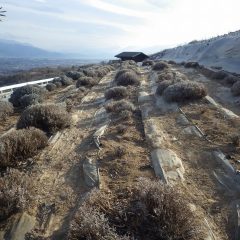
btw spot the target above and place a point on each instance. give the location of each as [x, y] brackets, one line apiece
[222, 51]
[13, 49]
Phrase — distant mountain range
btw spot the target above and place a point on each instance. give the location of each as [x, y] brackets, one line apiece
[222, 51]
[14, 49]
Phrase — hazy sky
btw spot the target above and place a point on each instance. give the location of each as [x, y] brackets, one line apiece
[114, 25]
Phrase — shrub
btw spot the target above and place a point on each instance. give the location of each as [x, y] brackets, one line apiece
[152, 211]
[148, 63]
[30, 99]
[13, 193]
[116, 93]
[172, 62]
[163, 85]
[58, 84]
[166, 75]
[51, 87]
[235, 89]
[128, 78]
[49, 118]
[191, 65]
[75, 75]
[91, 223]
[86, 82]
[230, 79]
[120, 72]
[90, 72]
[183, 91]
[159, 211]
[119, 106]
[159, 66]
[18, 145]
[6, 108]
[65, 81]
[219, 75]
[26, 90]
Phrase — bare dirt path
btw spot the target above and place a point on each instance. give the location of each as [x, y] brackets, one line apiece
[57, 180]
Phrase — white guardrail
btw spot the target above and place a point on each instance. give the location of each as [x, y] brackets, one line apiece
[6, 91]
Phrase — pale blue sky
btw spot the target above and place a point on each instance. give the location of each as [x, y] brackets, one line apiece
[109, 26]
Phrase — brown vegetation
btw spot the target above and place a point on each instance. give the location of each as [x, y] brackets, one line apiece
[116, 93]
[30, 99]
[236, 88]
[26, 90]
[13, 193]
[119, 106]
[51, 87]
[191, 65]
[183, 91]
[6, 108]
[159, 66]
[49, 118]
[148, 63]
[86, 82]
[152, 211]
[65, 81]
[128, 78]
[18, 145]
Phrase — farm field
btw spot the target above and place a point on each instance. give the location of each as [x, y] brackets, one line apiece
[122, 151]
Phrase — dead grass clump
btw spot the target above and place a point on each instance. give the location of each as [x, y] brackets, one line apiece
[235, 89]
[183, 91]
[119, 106]
[163, 85]
[18, 145]
[172, 62]
[30, 99]
[151, 211]
[148, 63]
[116, 93]
[90, 72]
[65, 81]
[128, 78]
[6, 108]
[191, 65]
[120, 72]
[230, 79]
[26, 90]
[159, 211]
[91, 222]
[49, 118]
[13, 193]
[159, 66]
[51, 87]
[166, 75]
[86, 82]
[220, 75]
[58, 84]
[74, 75]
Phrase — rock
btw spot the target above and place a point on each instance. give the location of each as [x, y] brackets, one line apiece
[23, 225]
[192, 130]
[182, 120]
[91, 173]
[98, 134]
[153, 137]
[144, 97]
[167, 165]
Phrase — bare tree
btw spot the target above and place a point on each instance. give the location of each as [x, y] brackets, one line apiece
[2, 13]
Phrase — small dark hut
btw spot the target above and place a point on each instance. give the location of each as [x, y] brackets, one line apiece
[135, 56]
